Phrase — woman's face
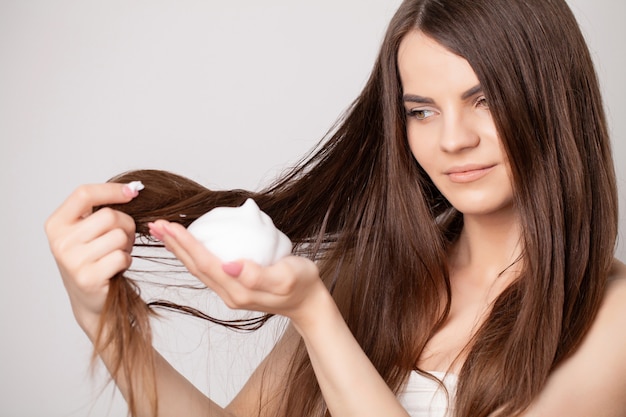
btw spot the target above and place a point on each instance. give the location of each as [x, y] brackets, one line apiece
[450, 129]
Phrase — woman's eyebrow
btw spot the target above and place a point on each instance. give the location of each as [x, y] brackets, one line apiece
[472, 92]
[414, 98]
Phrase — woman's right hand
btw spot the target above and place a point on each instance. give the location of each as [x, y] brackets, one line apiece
[91, 247]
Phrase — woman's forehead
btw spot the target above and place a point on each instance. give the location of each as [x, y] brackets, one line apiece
[427, 66]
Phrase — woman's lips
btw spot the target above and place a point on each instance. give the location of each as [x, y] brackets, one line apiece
[468, 173]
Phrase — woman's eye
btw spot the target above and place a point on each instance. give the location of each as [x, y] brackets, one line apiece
[482, 102]
[420, 114]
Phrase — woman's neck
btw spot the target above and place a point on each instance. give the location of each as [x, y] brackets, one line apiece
[486, 247]
[488, 244]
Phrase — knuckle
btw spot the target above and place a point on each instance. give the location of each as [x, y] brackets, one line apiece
[107, 216]
[121, 259]
[240, 299]
[251, 281]
[288, 285]
[82, 193]
[48, 226]
[91, 279]
[120, 238]
[120, 256]
[58, 247]
[54, 228]
[128, 221]
[313, 268]
[85, 281]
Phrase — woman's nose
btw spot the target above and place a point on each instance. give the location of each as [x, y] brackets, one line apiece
[458, 134]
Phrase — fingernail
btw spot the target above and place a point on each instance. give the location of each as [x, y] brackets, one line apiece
[132, 188]
[154, 232]
[232, 268]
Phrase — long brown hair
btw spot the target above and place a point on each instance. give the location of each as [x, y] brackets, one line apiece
[537, 73]
[363, 208]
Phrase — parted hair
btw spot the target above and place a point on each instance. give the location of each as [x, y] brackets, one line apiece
[361, 206]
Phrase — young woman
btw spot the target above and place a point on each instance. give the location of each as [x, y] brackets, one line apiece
[454, 239]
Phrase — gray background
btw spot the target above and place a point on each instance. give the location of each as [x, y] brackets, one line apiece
[227, 93]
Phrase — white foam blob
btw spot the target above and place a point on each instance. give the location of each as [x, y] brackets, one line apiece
[135, 185]
[244, 232]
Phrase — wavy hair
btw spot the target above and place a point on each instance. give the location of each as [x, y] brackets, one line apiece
[362, 207]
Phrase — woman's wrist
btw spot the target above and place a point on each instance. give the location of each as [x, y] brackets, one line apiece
[315, 312]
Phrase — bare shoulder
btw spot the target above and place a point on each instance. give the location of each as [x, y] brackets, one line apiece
[612, 315]
[593, 380]
[617, 277]
[613, 308]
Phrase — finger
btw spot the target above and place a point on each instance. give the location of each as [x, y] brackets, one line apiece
[195, 256]
[280, 277]
[114, 240]
[166, 232]
[85, 197]
[257, 289]
[112, 263]
[269, 289]
[102, 222]
[92, 228]
[95, 277]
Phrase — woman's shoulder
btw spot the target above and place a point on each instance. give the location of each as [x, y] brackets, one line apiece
[617, 276]
[610, 321]
[606, 338]
[613, 308]
[611, 317]
[592, 381]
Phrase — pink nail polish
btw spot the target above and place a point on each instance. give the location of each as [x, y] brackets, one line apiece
[129, 192]
[132, 188]
[154, 232]
[232, 268]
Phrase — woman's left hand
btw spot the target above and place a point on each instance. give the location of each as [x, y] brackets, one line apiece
[288, 288]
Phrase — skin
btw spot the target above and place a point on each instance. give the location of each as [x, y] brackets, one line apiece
[91, 247]
[453, 137]
[456, 131]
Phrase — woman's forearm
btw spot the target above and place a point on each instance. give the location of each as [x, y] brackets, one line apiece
[176, 395]
[349, 382]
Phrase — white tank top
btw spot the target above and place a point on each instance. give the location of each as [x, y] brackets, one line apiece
[423, 397]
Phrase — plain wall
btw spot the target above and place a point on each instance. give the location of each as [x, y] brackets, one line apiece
[227, 93]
